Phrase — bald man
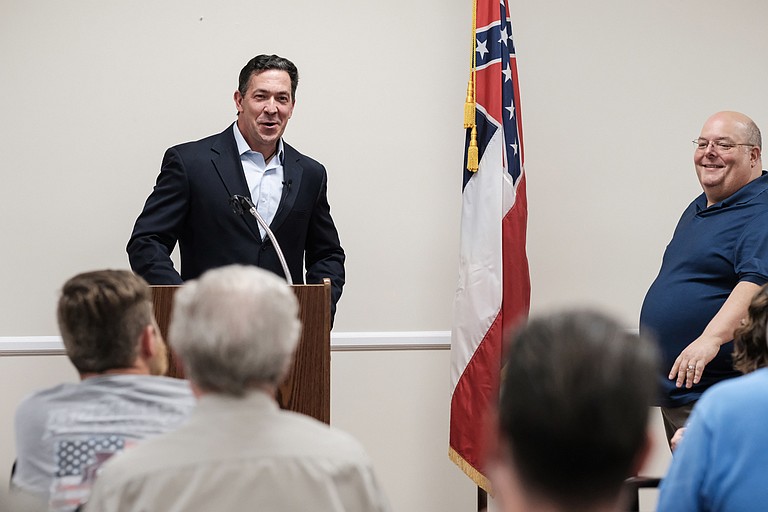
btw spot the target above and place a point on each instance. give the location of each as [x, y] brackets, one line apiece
[714, 264]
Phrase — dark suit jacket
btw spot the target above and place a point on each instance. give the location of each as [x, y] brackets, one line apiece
[191, 204]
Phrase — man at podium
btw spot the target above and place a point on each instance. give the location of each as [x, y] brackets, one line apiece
[192, 200]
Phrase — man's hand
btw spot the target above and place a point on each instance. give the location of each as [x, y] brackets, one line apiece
[675, 441]
[689, 365]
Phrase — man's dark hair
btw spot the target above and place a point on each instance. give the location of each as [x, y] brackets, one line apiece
[101, 315]
[574, 405]
[262, 63]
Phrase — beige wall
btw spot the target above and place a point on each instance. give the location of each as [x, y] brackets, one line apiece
[612, 93]
[92, 93]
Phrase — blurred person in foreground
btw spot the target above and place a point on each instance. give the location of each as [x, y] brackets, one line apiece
[573, 414]
[63, 434]
[719, 463]
[235, 330]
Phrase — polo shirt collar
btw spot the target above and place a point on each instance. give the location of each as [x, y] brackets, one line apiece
[744, 195]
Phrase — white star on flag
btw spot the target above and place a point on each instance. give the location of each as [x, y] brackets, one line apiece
[504, 36]
[482, 49]
[507, 72]
[511, 110]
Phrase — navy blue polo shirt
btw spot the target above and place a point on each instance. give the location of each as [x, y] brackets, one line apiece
[711, 251]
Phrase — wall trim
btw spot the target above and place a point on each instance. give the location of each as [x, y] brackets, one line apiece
[340, 342]
[31, 346]
[396, 340]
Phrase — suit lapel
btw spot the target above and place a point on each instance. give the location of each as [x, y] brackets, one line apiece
[226, 161]
[292, 172]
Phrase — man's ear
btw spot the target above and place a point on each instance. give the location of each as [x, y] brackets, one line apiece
[238, 101]
[148, 342]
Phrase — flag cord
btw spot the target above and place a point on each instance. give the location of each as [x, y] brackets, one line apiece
[470, 104]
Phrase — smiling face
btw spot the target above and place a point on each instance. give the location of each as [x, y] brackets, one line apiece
[722, 173]
[264, 110]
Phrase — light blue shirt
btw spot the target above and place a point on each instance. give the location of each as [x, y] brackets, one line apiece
[265, 179]
[721, 463]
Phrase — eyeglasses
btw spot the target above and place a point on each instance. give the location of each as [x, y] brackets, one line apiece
[721, 146]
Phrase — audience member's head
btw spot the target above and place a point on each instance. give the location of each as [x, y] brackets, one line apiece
[235, 329]
[107, 324]
[573, 412]
[750, 350]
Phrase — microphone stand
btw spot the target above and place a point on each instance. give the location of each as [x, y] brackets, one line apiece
[242, 203]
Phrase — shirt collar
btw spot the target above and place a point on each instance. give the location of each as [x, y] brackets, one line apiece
[744, 195]
[243, 147]
[253, 400]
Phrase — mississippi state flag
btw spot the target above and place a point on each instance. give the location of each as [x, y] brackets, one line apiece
[493, 292]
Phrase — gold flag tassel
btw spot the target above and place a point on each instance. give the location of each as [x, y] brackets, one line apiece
[472, 151]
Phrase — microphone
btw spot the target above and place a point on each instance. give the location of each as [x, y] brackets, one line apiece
[241, 204]
[288, 184]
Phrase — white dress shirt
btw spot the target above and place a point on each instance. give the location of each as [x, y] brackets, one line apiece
[265, 179]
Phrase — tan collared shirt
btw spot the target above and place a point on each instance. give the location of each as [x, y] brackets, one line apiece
[242, 454]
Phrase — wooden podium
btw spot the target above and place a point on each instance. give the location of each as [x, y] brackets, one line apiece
[307, 387]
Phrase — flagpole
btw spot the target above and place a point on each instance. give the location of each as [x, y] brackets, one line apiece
[472, 159]
[482, 500]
